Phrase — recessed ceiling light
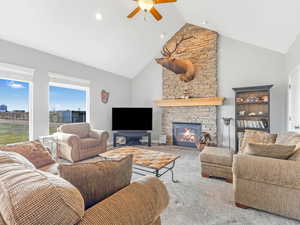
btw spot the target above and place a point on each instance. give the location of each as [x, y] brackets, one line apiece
[162, 36]
[204, 22]
[99, 16]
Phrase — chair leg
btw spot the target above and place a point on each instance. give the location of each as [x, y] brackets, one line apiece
[205, 175]
[241, 206]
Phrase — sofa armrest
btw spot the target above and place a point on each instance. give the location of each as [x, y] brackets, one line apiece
[279, 172]
[140, 203]
[99, 134]
[69, 139]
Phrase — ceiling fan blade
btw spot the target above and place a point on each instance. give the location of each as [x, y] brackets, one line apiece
[163, 1]
[134, 12]
[156, 14]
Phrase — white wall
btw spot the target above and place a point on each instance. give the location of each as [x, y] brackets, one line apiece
[293, 56]
[239, 64]
[242, 65]
[43, 63]
[146, 88]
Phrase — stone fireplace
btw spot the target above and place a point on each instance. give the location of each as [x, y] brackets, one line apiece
[186, 134]
[202, 51]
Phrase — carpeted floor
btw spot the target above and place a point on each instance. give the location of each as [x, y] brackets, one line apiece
[201, 201]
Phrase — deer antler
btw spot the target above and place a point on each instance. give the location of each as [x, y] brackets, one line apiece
[167, 53]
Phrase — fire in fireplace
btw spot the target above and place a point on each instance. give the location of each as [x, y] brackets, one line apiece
[186, 134]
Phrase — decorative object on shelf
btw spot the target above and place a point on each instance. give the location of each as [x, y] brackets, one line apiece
[203, 141]
[252, 114]
[256, 107]
[239, 100]
[104, 96]
[186, 94]
[251, 99]
[227, 122]
[264, 98]
[242, 113]
[182, 67]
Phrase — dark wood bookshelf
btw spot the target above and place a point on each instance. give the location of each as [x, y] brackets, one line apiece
[251, 100]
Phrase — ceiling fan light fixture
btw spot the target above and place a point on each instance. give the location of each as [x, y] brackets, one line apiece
[146, 5]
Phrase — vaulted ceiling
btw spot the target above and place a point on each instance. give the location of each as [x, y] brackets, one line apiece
[68, 28]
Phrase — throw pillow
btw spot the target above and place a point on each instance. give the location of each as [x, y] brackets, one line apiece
[290, 138]
[30, 196]
[7, 158]
[270, 150]
[255, 136]
[34, 151]
[98, 180]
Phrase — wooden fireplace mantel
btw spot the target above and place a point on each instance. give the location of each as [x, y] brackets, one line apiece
[214, 101]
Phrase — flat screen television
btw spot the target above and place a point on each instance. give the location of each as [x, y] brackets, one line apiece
[132, 119]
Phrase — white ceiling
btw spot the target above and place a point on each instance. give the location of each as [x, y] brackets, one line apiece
[68, 28]
[272, 24]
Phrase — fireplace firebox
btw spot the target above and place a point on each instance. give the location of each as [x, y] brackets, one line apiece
[186, 134]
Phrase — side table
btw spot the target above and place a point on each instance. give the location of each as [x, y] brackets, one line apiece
[50, 142]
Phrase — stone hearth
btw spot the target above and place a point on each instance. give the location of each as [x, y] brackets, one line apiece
[202, 51]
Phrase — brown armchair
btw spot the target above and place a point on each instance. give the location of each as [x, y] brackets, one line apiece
[77, 141]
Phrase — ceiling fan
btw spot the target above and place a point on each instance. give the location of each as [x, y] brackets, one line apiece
[148, 6]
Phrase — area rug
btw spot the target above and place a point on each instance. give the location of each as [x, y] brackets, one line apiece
[202, 201]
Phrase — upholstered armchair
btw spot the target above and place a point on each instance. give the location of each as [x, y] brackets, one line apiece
[269, 184]
[77, 141]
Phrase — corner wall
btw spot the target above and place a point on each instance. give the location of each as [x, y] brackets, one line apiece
[239, 64]
[43, 63]
[293, 56]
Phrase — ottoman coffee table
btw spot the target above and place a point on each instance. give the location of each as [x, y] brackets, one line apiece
[146, 161]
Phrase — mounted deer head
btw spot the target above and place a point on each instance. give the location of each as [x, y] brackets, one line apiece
[183, 67]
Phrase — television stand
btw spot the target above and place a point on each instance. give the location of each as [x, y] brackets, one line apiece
[132, 137]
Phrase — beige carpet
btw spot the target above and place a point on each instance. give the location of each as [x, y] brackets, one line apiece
[201, 201]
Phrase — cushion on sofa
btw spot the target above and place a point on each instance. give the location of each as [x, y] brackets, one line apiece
[7, 158]
[290, 138]
[255, 136]
[34, 151]
[80, 129]
[32, 197]
[270, 150]
[98, 180]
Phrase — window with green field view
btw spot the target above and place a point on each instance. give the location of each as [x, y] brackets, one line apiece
[14, 111]
[66, 106]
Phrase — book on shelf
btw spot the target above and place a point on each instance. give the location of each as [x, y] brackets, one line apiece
[257, 124]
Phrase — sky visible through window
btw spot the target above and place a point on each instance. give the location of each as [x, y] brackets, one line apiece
[14, 95]
[66, 99]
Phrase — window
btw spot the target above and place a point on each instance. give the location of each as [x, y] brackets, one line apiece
[67, 105]
[294, 101]
[14, 111]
